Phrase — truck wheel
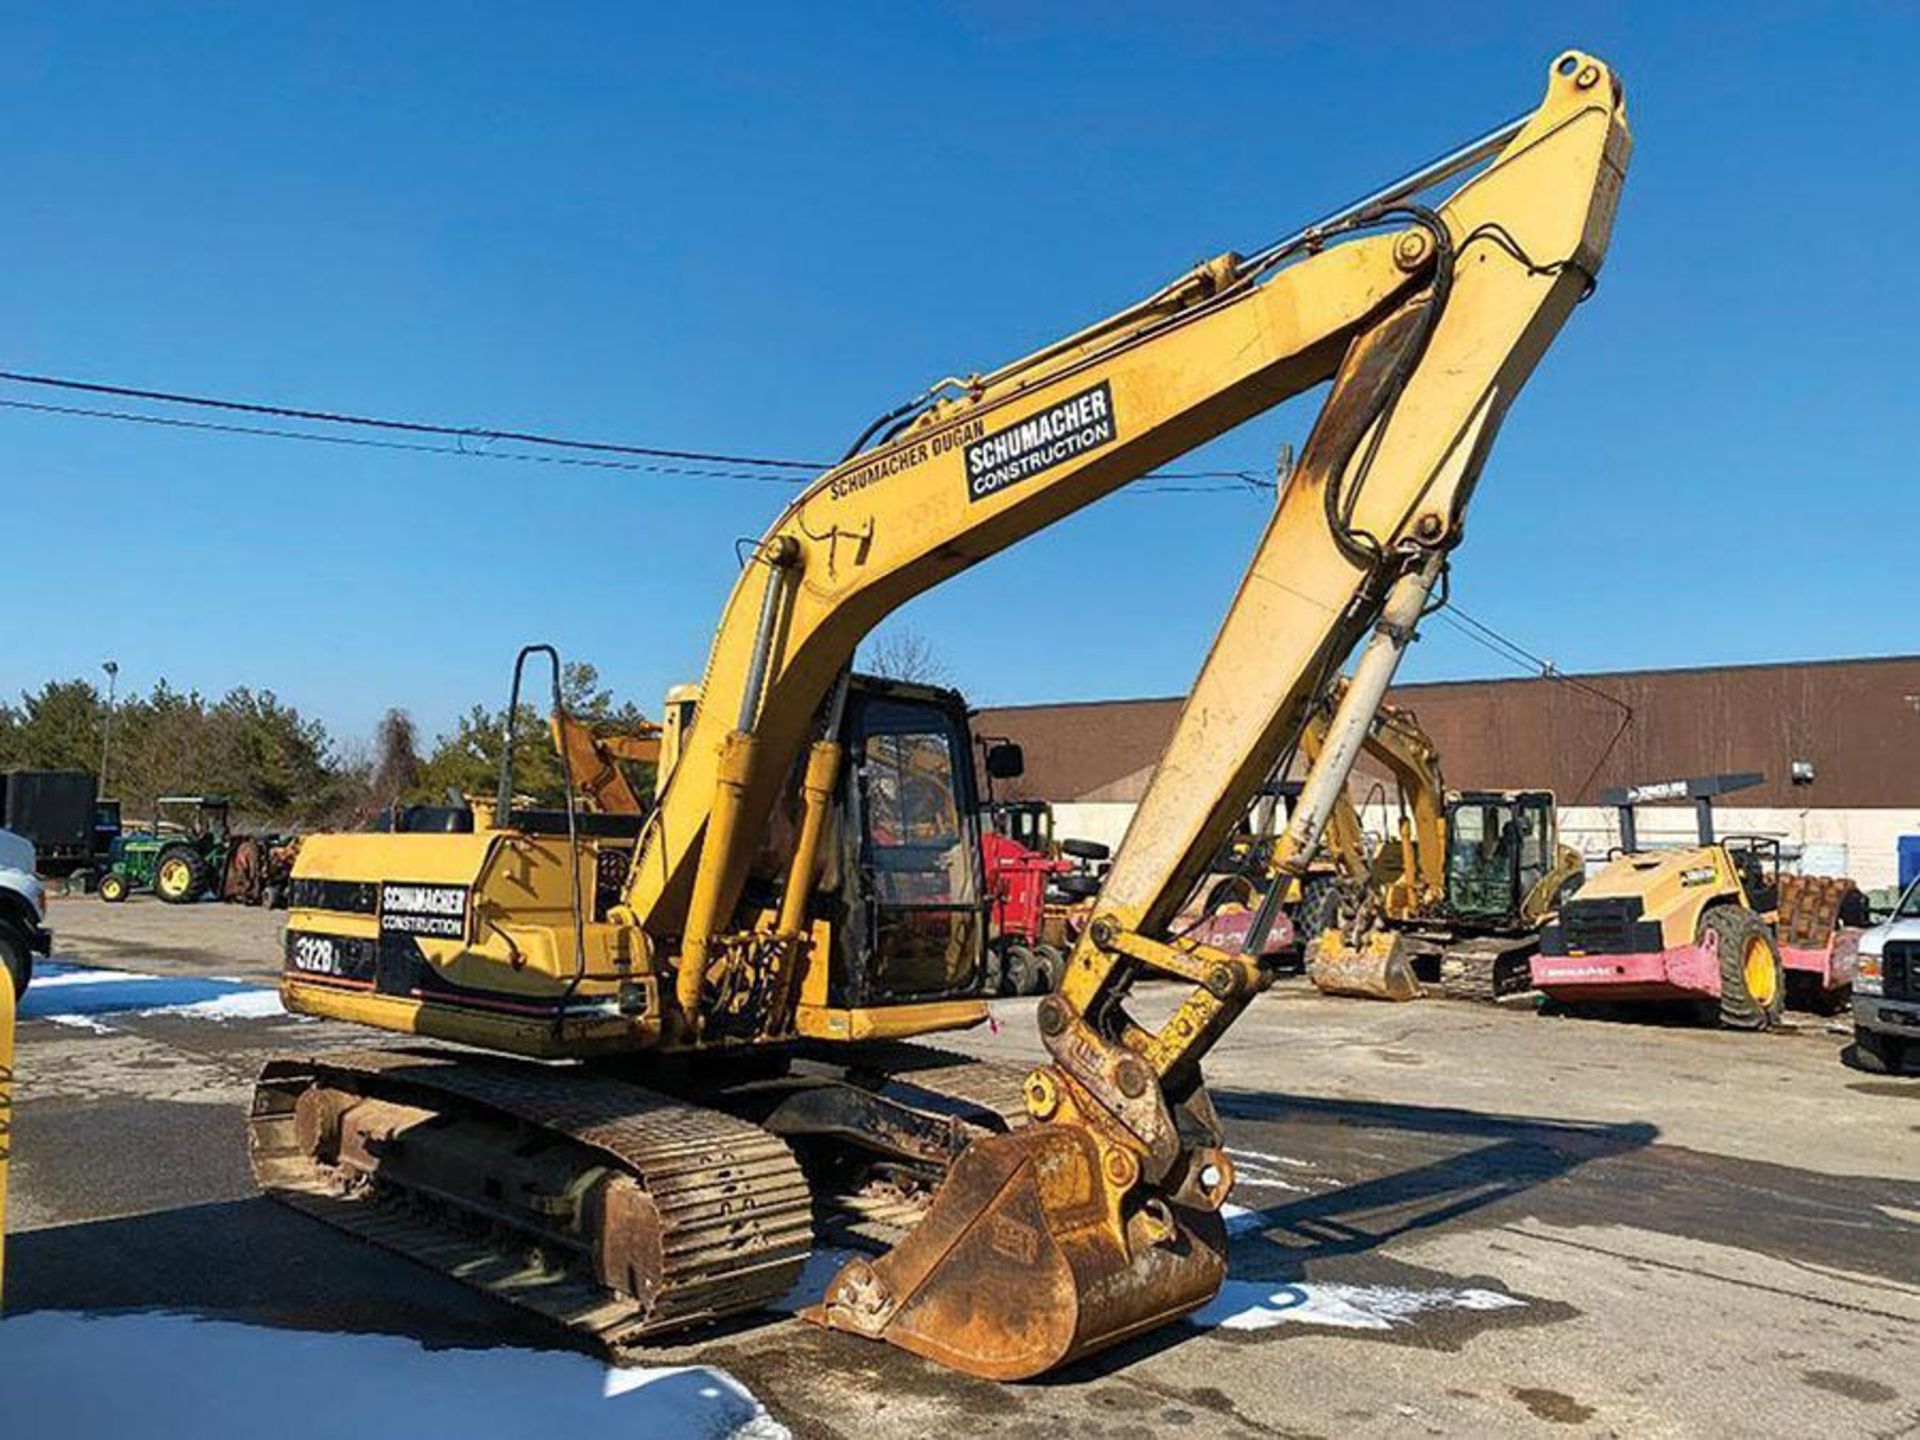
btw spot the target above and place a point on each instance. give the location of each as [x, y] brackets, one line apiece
[81, 881]
[993, 971]
[1753, 988]
[1048, 966]
[1876, 1053]
[273, 897]
[16, 956]
[181, 876]
[113, 887]
[1021, 970]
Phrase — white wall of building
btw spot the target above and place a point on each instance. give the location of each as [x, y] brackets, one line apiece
[1858, 843]
[1101, 820]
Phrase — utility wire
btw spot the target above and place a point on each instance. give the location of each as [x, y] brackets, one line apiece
[174, 422]
[700, 463]
[415, 427]
[1518, 655]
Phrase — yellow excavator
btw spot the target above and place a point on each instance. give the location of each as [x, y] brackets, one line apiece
[1458, 898]
[699, 1063]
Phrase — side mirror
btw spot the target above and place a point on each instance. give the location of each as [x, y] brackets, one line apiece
[1006, 760]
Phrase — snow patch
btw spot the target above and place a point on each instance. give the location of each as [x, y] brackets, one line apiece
[1261, 1305]
[1241, 1220]
[218, 1380]
[48, 975]
[76, 995]
[80, 1022]
[255, 1002]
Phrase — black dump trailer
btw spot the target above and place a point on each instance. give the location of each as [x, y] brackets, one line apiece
[55, 809]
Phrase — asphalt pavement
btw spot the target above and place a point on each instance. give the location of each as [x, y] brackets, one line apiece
[1450, 1219]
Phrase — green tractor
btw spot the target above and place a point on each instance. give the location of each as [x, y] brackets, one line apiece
[180, 860]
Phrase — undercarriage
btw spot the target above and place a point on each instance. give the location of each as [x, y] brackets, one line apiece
[623, 1203]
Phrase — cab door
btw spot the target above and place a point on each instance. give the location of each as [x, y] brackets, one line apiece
[917, 925]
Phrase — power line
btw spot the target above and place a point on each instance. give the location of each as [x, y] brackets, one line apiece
[700, 463]
[416, 427]
[174, 422]
[1517, 654]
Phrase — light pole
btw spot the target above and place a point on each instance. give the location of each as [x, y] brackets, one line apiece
[106, 730]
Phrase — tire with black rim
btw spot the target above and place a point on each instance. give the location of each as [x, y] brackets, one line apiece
[1049, 964]
[1753, 987]
[181, 876]
[16, 956]
[113, 887]
[993, 978]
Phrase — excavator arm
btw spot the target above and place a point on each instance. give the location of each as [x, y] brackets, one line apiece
[1396, 740]
[593, 760]
[1101, 1219]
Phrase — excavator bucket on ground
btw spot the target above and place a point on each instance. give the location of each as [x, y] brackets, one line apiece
[1378, 966]
[1033, 1254]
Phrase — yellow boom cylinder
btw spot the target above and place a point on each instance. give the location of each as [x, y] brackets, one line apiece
[823, 769]
[736, 771]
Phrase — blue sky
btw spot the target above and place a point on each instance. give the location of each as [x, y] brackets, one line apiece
[752, 227]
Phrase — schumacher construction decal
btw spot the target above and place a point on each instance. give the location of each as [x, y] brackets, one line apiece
[1077, 425]
[439, 911]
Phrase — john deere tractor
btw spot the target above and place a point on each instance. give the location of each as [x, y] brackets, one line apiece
[180, 859]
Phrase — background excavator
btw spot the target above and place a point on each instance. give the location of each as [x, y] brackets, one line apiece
[1458, 897]
[725, 1020]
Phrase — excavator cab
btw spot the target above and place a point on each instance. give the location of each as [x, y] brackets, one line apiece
[1500, 846]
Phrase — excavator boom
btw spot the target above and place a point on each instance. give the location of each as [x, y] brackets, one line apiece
[1102, 1219]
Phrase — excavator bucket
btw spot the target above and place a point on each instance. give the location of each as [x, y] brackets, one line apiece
[1377, 967]
[1028, 1259]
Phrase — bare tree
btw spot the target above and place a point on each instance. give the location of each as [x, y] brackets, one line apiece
[904, 654]
[396, 766]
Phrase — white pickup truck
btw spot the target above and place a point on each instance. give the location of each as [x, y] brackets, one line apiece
[1886, 990]
[23, 910]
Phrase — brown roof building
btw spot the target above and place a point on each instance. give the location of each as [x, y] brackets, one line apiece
[1857, 722]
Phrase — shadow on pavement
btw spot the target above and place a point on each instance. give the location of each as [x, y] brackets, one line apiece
[1504, 1157]
[1465, 1161]
[255, 1262]
[1397, 1169]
